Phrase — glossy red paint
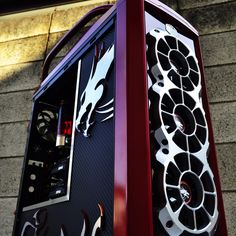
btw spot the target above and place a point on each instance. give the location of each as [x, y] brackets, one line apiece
[120, 162]
[139, 161]
[133, 195]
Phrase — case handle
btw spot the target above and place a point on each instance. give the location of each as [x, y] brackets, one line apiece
[63, 41]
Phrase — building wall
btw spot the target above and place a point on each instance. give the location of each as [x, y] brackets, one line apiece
[26, 38]
[216, 22]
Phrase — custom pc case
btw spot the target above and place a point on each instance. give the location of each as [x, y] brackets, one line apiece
[120, 141]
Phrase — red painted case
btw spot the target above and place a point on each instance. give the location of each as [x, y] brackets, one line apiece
[120, 138]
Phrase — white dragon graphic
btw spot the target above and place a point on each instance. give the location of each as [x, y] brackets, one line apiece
[94, 91]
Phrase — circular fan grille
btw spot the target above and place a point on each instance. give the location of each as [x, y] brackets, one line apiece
[190, 192]
[179, 62]
[182, 117]
[47, 124]
[184, 195]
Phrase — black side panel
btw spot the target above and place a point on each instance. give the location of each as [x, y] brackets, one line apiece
[92, 180]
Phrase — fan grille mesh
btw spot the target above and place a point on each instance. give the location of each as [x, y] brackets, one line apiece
[179, 135]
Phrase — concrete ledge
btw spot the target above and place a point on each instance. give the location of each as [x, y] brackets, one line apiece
[218, 49]
[227, 165]
[23, 50]
[220, 83]
[13, 139]
[10, 174]
[212, 19]
[15, 106]
[20, 77]
[185, 4]
[7, 206]
[230, 211]
[21, 26]
[223, 119]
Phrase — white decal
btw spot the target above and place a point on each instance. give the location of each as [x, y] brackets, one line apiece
[94, 91]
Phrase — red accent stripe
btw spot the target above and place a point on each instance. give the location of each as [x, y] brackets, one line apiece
[139, 161]
[120, 172]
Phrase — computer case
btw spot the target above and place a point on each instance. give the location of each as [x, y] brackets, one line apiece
[120, 140]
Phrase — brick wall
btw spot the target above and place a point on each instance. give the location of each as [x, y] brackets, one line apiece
[216, 22]
[26, 38]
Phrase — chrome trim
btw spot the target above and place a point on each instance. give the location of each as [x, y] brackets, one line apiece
[73, 128]
[46, 203]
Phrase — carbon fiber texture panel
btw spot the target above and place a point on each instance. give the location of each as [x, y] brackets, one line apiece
[92, 179]
[93, 161]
